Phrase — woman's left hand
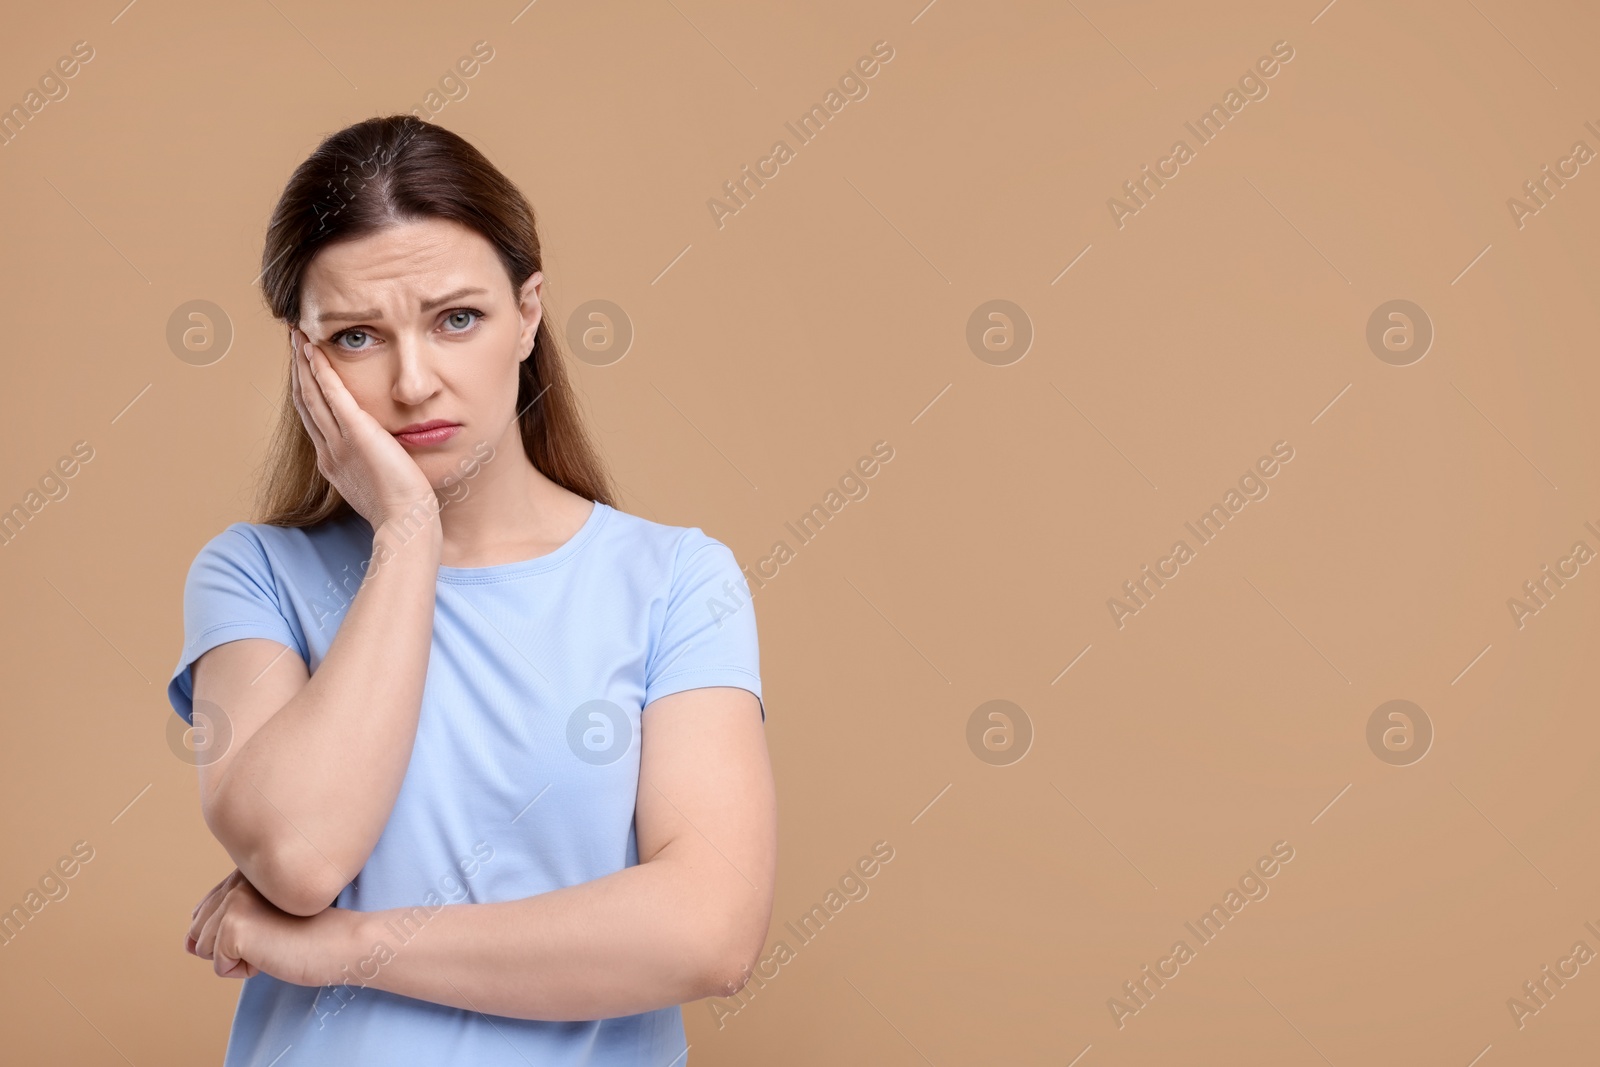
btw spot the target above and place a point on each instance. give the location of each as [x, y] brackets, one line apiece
[244, 934]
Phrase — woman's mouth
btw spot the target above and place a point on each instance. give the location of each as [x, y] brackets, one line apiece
[432, 432]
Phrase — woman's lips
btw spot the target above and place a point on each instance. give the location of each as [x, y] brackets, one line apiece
[431, 436]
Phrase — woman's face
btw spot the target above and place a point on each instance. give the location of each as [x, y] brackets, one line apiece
[421, 324]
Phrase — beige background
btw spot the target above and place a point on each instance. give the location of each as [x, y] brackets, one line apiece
[831, 313]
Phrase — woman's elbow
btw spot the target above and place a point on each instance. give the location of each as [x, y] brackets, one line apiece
[291, 877]
[739, 943]
[293, 884]
[727, 977]
[302, 902]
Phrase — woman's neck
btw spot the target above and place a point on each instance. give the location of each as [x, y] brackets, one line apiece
[505, 511]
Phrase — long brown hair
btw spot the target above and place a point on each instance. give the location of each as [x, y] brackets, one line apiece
[374, 174]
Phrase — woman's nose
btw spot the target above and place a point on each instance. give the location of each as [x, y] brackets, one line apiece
[415, 376]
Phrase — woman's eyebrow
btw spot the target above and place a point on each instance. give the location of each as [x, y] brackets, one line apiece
[377, 316]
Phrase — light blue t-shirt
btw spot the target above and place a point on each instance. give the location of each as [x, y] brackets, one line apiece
[526, 764]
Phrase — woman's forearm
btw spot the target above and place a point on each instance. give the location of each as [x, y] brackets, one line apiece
[645, 937]
[303, 802]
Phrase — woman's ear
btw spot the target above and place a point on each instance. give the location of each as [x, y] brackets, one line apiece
[532, 308]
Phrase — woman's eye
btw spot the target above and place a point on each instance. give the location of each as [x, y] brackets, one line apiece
[461, 320]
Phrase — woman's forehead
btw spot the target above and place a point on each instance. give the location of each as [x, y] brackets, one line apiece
[402, 249]
[400, 266]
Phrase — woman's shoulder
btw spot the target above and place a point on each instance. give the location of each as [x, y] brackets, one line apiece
[661, 540]
[676, 563]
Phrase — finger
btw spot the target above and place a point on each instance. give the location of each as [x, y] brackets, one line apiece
[226, 958]
[314, 393]
[241, 970]
[297, 390]
[340, 404]
[317, 393]
[214, 890]
[209, 902]
[207, 908]
[206, 939]
[228, 951]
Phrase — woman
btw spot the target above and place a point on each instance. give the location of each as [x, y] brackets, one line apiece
[487, 751]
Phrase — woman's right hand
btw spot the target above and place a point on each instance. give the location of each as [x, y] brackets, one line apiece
[363, 461]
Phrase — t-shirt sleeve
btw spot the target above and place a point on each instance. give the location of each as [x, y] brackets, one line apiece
[230, 594]
[708, 633]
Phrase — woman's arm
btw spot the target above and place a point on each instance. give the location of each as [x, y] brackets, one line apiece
[316, 762]
[688, 921]
[307, 785]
